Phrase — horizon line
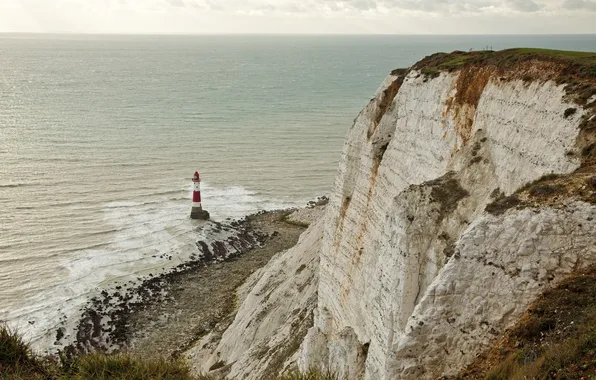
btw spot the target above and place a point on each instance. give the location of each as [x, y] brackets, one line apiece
[66, 33]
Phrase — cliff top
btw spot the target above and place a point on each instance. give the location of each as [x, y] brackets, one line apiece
[574, 64]
[575, 70]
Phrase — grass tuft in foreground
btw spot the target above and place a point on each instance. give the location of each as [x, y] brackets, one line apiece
[17, 362]
[122, 366]
[312, 374]
[13, 351]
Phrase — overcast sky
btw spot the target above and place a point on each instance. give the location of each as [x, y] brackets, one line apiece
[299, 16]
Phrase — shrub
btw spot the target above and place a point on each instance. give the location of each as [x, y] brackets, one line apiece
[546, 190]
[16, 358]
[13, 351]
[569, 112]
[17, 362]
[501, 205]
[121, 367]
[312, 374]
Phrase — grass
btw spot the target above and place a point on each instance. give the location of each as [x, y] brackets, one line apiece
[563, 360]
[556, 338]
[122, 366]
[551, 189]
[286, 219]
[18, 362]
[13, 351]
[576, 71]
[580, 56]
[584, 63]
[312, 374]
[296, 223]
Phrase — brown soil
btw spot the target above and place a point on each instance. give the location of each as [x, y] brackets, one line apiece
[576, 70]
[385, 100]
[470, 85]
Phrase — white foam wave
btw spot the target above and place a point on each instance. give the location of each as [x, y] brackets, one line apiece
[141, 238]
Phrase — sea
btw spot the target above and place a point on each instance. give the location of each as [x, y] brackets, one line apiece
[101, 134]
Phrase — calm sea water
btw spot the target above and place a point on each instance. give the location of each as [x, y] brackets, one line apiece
[99, 136]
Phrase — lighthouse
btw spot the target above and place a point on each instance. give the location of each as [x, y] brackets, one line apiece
[197, 211]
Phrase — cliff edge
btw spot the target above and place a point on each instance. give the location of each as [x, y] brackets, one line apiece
[466, 188]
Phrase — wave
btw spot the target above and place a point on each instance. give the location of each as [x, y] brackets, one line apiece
[121, 164]
[167, 192]
[70, 203]
[38, 183]
[134, 239]
[23, 260]
[13, 185]
[131, 204]
[228, 191]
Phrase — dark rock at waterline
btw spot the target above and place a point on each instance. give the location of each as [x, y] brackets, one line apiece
[104, 323]
[199, 214]
[320, 201]
[59, 334]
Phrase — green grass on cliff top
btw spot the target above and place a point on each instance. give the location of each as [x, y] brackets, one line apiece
[583, 64]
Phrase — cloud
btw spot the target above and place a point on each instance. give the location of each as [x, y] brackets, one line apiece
[588, 5]
[363, 5]
[299, 16]
[355, 7]
[176, 3]
[420, 5]
[524, 5]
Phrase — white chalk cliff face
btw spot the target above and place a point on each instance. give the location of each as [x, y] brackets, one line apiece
[276, 306]
[408, 275]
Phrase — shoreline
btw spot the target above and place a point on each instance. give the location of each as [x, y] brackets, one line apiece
[166, 313]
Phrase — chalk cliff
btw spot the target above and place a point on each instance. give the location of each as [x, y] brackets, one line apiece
[466, 188]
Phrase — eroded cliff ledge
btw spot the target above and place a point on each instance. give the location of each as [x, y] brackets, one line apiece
[466, 187]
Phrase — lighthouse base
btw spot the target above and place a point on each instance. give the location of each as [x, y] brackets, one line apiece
[199, 213]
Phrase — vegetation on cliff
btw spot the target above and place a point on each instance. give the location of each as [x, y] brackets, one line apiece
[576, 64]
[551, 189]
[575, 70]
[18, 362]
[555, 339]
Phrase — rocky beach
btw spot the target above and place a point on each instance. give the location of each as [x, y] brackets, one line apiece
[166, 313]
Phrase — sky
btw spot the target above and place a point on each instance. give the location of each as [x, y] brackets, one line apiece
[299, 16]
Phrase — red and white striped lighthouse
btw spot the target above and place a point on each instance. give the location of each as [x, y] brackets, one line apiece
[197, 211]
[196, 190]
